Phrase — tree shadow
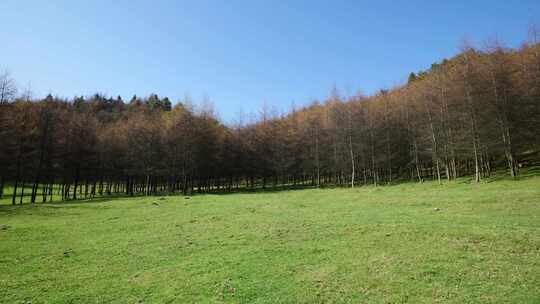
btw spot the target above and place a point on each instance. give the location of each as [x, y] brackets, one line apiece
[9, 208]
[497, 176]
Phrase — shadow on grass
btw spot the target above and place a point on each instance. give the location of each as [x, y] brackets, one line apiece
[27, 206]
[504, 175]
[497, 176]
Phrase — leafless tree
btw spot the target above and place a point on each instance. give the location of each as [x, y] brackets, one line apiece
[8, 88]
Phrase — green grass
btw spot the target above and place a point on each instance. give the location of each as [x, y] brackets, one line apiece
[409, 243]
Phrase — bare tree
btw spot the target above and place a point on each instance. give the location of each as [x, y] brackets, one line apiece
[472, 107]
[8, 89]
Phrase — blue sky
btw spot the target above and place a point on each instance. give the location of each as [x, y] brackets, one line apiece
[242, 54]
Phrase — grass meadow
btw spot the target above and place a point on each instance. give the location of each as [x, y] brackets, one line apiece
[407, 243]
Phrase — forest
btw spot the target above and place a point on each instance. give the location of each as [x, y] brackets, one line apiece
[465, 116]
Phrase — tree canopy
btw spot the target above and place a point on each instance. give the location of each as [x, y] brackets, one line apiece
[467, 115]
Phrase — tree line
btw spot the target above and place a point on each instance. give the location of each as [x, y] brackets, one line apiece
[469, 115]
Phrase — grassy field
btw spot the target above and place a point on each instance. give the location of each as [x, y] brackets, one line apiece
[409, 243]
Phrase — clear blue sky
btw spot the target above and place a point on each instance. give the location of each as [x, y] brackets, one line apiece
[241, 53]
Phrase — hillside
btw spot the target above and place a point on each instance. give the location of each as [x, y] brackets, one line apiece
[415, 243]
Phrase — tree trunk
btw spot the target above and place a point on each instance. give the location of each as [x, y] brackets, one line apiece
[317, 157]
[351, 151]
[22, 192]
[1, 186]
